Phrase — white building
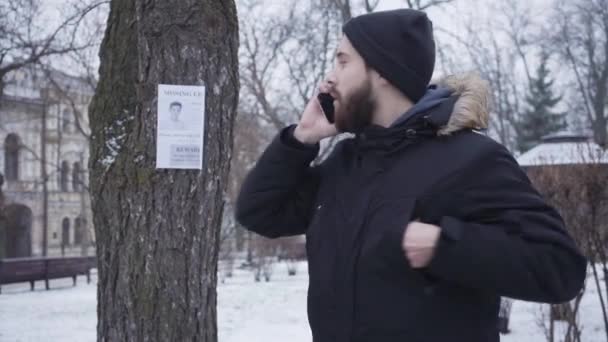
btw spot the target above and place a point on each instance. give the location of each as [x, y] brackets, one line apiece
[564, 148]
[33, 98]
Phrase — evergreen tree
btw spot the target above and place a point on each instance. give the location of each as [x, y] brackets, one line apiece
[540, 118]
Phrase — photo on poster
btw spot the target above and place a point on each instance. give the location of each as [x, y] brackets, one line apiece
[178, 116]
[180, 132]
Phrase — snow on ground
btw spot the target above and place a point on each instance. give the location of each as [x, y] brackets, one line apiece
[248, 311]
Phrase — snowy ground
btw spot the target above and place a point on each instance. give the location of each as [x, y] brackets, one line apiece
[247, 311]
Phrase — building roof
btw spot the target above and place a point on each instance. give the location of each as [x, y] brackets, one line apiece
[28, 82]
[564, 148]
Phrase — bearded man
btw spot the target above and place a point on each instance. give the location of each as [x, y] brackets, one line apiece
[417, 225]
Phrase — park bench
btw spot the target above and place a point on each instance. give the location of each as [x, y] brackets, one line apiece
[20, 270]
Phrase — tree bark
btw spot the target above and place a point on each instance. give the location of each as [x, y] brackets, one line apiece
[157, 231]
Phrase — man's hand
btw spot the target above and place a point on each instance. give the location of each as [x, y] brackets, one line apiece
[419, 243]
[313, 125]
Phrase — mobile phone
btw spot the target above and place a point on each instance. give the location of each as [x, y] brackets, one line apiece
[327, 103]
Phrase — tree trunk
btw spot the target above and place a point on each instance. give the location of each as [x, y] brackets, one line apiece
[600, 128]
[157, 231]
[3, 220]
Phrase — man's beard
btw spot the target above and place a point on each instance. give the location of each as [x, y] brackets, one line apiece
[355, 111]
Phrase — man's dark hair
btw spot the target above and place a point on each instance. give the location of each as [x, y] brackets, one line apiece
[179, 104]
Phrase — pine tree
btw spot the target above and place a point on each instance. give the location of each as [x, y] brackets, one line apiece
[539, 119]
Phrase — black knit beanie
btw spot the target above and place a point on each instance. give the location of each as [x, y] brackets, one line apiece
[399, 45]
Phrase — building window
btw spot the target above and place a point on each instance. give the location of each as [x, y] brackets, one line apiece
[65, 232]
[65, 120]
[64, 175]
[11, 157]
[79, 230]
[76, 181]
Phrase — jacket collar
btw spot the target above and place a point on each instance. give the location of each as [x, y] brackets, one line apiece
[453, 104]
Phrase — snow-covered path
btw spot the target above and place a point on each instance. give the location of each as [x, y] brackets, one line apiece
[247, 311]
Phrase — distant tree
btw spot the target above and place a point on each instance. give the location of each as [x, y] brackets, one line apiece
[540, 118]
[578, 32]
[25, 42]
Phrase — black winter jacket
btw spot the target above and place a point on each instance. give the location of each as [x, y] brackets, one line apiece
[498, 236]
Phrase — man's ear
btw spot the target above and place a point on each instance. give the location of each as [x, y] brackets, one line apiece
[383, 82]
[378, 79]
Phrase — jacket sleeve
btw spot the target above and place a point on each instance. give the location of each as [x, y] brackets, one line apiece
[506, 239]
[277, 195]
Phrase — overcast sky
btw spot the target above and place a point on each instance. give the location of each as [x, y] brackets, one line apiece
[451, 17]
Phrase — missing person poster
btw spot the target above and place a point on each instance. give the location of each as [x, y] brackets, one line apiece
[180, 132]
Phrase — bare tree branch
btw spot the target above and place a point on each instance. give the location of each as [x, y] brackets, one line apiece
[582, 42]
[26, 48]
[370, 6]
[423, 5]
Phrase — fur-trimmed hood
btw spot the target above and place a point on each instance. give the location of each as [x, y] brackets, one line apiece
[471, 109]
[452, 104]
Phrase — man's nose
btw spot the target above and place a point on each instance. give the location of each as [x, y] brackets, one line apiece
[331, 78]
